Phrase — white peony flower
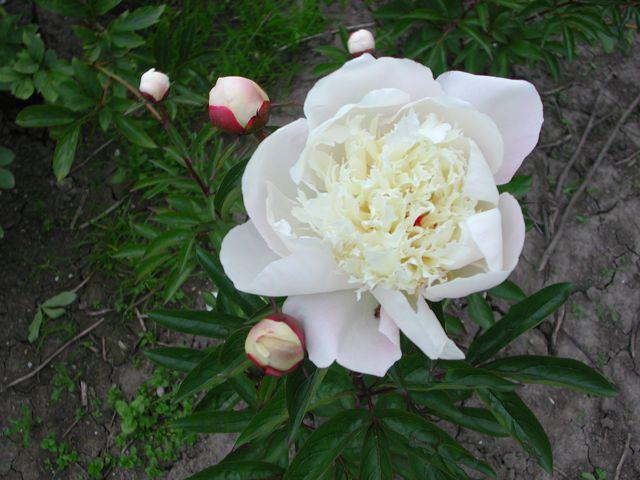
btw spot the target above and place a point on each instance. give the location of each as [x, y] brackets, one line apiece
[384, 197]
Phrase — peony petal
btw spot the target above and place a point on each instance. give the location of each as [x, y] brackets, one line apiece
[254, 268]
[357, 77]
[476, 125]
[382, 103]
[485, 229]
[271, 163]
[339, 327]
[514, 105]
[479, 183]
[512, 243]
[420, 325]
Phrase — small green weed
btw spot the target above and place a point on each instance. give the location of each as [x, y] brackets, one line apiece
[22, 426]
[63, 455]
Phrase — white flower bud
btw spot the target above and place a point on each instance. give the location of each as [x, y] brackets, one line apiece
[154, 85]
[238, 105]
[275, 345]
[361, 41]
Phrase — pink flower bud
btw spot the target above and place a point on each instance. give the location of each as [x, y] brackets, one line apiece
[361, 41]
[238, 105]
[275, 345]
[154, 85]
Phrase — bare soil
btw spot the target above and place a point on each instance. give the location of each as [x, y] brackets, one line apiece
[599, 253]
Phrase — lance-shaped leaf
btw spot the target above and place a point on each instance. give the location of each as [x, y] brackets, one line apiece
[214, 422]
[219, 365]
[521, 317]
[133, 132]
[239, 470]
[325, 444]
[182, 359]
[559, 372]
[375, 463]
[37, 116]
[508, 290]
[480, 311]
[299, 393]
[521, 424]
[478, 419]
[230, 180]
[272, 414]
[206, 324]
[210, 265]
[424, 434]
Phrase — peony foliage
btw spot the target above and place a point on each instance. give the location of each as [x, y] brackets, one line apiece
[371, 222]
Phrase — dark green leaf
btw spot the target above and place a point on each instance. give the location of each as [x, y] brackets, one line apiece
[137, 19]
[181, 359]
[424, 434]
[230, 180]
[325, 444]
[206, 324]
[375, 461]
[215, 273]
[211, 371]
[36, 116]
[518, 186]
[521, 424]
[477, 419]
[6, 156]
[299, 395]
[268, 418]
[480, 311]
[132, 131]
[241, 470]
[65, 152]
[214, 422]
[34, 327]
[559, 372]
[508, 290]
[521, 317]
[7, 180]
[61, 300]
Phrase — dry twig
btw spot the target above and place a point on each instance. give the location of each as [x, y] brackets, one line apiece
[55, 354]
[623, 457]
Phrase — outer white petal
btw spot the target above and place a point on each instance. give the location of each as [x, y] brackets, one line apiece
[485, 229]
[271, 162]
[419, 324]
[514, 105]
[339, 327]
[512, 243]
[254, 268]
[383, 103]
[476, 125]
[479, 183]
[359, 76]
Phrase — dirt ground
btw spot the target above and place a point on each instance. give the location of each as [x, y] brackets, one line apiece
[599, 252]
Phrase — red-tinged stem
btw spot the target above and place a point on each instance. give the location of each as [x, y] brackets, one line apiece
[261, 135]
[162, 117]
[196, 177]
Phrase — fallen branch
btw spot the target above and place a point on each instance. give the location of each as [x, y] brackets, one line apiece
[583, 186]
[55, 354]
[623, 457]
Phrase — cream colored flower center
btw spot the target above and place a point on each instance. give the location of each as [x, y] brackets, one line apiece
[389, 200]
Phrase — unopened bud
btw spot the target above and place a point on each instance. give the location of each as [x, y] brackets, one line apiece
[361, 41]
[275, 345]
[154, 85]
[238, 105]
